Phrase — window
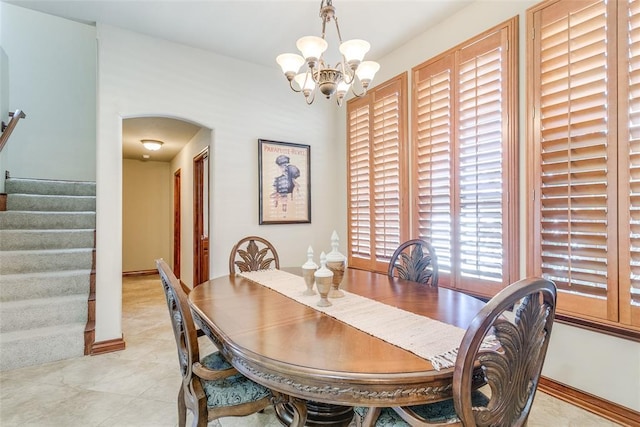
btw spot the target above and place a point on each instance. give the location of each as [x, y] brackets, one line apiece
[464, 179]
[377, 174]
[584, 162]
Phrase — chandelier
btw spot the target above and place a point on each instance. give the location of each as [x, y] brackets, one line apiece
[320, 75]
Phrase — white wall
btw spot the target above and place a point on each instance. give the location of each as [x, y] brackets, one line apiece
[52, 75]
[146, 214]
[240, 102]
[596, 363]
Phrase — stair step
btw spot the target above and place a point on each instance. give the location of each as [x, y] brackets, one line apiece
[14, 287]
[40, 202]
[21, 220]
[45, 186]
[44, 312]
[38, 346]
[12, 240]
[14, 262]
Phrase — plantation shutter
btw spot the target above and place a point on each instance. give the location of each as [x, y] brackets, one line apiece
[481, 115]
[432, 136]
[386, 159]
[575, 202]
[462, 102]
[629, 206]
[358, 177]
[377, 174]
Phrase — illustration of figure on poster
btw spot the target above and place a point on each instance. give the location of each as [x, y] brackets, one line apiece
[285, 185]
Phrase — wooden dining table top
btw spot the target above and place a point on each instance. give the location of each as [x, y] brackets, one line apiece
[299, 351]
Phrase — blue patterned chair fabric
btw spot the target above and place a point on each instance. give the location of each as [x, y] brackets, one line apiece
[435, 413]
[232, 390]
[511, 369]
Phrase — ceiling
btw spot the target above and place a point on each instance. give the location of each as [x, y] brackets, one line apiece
[251, 30]
[173, 133]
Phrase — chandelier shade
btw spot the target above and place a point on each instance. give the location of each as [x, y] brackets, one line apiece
[329, 80]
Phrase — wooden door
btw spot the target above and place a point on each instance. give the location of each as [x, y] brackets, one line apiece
[201, 218]
[176, 223]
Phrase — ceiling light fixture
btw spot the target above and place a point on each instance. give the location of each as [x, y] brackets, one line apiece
[151, 144]
[330, 80]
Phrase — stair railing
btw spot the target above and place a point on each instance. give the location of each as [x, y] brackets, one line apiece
[8, 128]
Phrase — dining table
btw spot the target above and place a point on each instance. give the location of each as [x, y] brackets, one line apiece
[320, 366]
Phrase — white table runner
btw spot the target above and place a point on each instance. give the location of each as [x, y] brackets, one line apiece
[430, 339]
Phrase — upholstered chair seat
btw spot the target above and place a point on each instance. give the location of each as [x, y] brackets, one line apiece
[230, 391]
[435, 413]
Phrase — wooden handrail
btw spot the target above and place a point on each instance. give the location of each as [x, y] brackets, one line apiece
[7, 129]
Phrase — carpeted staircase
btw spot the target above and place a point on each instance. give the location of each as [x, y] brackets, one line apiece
[46, 257]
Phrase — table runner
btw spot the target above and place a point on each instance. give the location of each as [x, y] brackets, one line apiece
[428, 338]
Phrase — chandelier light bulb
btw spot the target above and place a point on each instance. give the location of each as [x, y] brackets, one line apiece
[354, 51]
[366, 71]
[305, 83]
[343, 88]
[290, 64]
[312, 48]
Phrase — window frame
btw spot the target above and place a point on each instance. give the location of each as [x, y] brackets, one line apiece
[376, 262]
[508, 33]
[607, 316]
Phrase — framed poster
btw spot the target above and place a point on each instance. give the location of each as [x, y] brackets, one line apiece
[285, 186]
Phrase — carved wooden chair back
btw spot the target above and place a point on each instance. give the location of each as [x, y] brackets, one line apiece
[415, 260]
[253, 253]
[500, 348]
[512, 371]
[211, 388]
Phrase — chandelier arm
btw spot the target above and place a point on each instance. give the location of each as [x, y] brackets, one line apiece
[358, 95]
[349, 76]
[314, 72]
[293, 88]
[312, 97]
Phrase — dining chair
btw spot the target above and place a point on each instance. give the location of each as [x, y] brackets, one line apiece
[253, 253]
[511, 367]
[211, 388]
[415, 260]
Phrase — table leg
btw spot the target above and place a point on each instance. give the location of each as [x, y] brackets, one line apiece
[318, 414]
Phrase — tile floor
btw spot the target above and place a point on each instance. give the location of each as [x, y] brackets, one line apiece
[138, 386]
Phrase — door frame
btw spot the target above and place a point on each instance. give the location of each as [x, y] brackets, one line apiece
[200, 239]
[177, 222]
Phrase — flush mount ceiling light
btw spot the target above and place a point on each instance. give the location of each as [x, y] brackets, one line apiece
[330, 80]
[151, 144]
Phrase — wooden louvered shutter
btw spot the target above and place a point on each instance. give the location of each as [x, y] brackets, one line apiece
[575, 212]
[464, 127]
[482, 116]
[629, 155]
[359, 184]
[377, 174]
[433, 132]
